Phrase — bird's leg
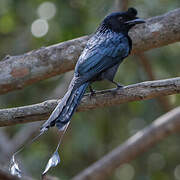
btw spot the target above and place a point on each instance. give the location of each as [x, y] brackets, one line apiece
[92, 91]
[117, 84]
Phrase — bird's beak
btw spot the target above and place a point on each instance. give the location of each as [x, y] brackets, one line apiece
[135, 21]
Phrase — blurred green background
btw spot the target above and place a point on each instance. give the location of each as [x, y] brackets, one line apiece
[31, 24]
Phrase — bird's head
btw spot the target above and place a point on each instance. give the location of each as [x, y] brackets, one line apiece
[122, 21]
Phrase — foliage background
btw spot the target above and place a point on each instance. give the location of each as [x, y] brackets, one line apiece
[94, 133]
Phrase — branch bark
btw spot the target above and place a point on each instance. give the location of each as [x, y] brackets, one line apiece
[165, 125]
[136, 92]
[17, 72]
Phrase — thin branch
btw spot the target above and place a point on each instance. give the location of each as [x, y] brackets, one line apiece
[163, 101]
[121, 5]
[17, 72]
[144, 60]
[136, 92]
[165, 125]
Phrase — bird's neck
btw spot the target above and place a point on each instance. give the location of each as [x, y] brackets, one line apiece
[104, 28]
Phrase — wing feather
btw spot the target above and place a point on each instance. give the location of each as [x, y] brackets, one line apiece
[102, 53]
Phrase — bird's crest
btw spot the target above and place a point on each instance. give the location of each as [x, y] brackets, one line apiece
[132, 11]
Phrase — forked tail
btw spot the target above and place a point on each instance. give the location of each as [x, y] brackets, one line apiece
[65, 109]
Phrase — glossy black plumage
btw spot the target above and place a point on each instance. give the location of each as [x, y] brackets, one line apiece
[100, 59]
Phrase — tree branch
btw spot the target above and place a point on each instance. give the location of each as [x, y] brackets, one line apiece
[17, 72]
[134, 146]
[136, 92]
[163, 101]
[120, 5]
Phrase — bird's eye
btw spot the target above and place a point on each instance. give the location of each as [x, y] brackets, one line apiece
[120, 18]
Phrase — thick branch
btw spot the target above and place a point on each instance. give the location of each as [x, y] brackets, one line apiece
[120, 5]
[19, 71]
[136, 92]
[134, 146]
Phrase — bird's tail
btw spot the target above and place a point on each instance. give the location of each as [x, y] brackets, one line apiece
[66, 107]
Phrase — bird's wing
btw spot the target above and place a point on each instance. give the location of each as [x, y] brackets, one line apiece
[101, 53]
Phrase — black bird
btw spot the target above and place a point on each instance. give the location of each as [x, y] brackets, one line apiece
[100, 59]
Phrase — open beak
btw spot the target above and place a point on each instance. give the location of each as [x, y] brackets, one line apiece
[135, 21]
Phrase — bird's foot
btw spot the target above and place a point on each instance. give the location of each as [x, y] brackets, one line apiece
[119, 86]
[92, 92]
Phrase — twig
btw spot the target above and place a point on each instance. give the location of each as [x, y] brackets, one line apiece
[136, 92]
[121, 5]
[146, 65]
[165, 125]
[17, 72]
[163, 101]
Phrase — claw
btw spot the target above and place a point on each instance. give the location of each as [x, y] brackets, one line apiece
[92, 91]
[92, 94]
[119, 85]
